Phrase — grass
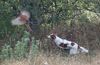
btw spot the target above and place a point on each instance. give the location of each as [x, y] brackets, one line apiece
[53, 59]
[88, 36]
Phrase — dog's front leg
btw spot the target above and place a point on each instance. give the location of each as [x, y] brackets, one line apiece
[73, 51]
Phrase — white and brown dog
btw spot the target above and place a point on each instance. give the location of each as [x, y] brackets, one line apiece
[65, 44]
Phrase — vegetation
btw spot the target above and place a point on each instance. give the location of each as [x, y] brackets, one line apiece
[21, 49]
[76, 20]
[44, 11]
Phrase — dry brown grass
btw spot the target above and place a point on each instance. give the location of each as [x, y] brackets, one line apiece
[43, 59]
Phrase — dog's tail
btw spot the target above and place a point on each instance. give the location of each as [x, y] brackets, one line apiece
[82, 49]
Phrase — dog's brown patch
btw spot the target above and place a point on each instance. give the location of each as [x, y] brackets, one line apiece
[72, 43]
[53, 37]
[63, 45]
[78, 47]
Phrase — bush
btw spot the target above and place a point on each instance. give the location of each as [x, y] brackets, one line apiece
[20, 50]
[6, 52]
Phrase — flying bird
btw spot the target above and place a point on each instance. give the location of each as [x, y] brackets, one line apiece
[22, 19]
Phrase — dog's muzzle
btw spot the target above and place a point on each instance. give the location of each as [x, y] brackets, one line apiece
[48, 36]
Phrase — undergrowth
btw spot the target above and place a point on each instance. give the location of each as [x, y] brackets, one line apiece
[21, 49]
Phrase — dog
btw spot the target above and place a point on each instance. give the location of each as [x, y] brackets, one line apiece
[73, 47]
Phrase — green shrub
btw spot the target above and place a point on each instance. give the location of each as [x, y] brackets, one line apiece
[20, 50]
[6, 52]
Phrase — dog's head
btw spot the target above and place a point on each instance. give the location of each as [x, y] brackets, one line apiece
[52, 36]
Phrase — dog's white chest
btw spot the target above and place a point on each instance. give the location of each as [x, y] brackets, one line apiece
[58, 41]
